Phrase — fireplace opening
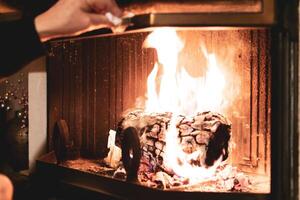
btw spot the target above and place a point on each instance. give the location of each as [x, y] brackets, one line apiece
[170, 109]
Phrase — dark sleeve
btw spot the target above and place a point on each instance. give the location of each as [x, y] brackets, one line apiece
[19, 44]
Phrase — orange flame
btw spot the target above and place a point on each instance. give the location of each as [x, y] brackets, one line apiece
[171, 89]
[178, 161]
[178, 91]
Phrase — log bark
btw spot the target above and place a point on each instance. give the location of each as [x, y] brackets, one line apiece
[206, 132]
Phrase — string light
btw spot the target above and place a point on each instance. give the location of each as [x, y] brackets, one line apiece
[10, 95]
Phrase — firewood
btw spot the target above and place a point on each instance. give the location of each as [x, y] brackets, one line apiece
[63, 147]
[60, 140]
[207, 132]
[131, 154]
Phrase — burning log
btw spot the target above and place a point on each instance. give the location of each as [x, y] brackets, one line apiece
[204, 137]
[131, 154]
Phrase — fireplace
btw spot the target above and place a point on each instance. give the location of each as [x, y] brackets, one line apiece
[182, 105]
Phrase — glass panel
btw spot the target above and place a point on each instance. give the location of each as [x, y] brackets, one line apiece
[161, 84]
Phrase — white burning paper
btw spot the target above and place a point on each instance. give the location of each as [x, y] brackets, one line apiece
[113, 19]
[115, 153]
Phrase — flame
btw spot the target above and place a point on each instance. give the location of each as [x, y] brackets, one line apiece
[178, 91]
[168, 47]
[170, 88]
[178, 161]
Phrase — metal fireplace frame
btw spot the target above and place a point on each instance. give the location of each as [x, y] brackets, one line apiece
[266, 16]
[285, 96]
[284, 108]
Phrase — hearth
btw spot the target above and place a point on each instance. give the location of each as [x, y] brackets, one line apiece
[184, 104]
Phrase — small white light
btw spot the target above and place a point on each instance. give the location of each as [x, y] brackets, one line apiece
[113, 19]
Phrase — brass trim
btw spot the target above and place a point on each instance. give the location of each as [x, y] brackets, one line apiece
[264, 18]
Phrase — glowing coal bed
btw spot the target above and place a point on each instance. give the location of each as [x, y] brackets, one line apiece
[225, 179]
[197, 160]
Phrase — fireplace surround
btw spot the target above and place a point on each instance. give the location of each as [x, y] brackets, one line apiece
[95, 78]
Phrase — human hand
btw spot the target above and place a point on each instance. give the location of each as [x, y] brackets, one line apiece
[73, 17]
[6, 188]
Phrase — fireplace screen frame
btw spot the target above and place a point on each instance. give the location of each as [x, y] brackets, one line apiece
[69, 47]
[265, 16]
[284, 105]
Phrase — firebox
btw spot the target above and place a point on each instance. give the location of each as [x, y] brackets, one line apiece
[196, 99]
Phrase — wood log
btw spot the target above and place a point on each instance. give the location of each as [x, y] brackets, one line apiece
[207, 132]
[63, 146]
[131, 153]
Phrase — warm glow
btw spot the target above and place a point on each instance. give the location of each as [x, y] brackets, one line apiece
[170, 88]
[178, 160]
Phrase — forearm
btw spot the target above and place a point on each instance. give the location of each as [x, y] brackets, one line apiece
[19, 44]
[21, 41]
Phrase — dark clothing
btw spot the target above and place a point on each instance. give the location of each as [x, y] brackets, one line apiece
[19, 44]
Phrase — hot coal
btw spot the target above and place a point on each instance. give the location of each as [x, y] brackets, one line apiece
[226, 178]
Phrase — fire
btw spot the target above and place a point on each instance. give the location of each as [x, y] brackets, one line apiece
[168, 46]
[170, 88]
[178, 161]
[176, 86]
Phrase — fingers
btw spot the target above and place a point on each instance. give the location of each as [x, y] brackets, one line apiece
[115, 10]
[6, 188]
[103, 6]
[98, 20]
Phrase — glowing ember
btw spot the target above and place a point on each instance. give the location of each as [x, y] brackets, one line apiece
[172, 89]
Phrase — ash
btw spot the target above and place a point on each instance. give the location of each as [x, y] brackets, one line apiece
[226, 178]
